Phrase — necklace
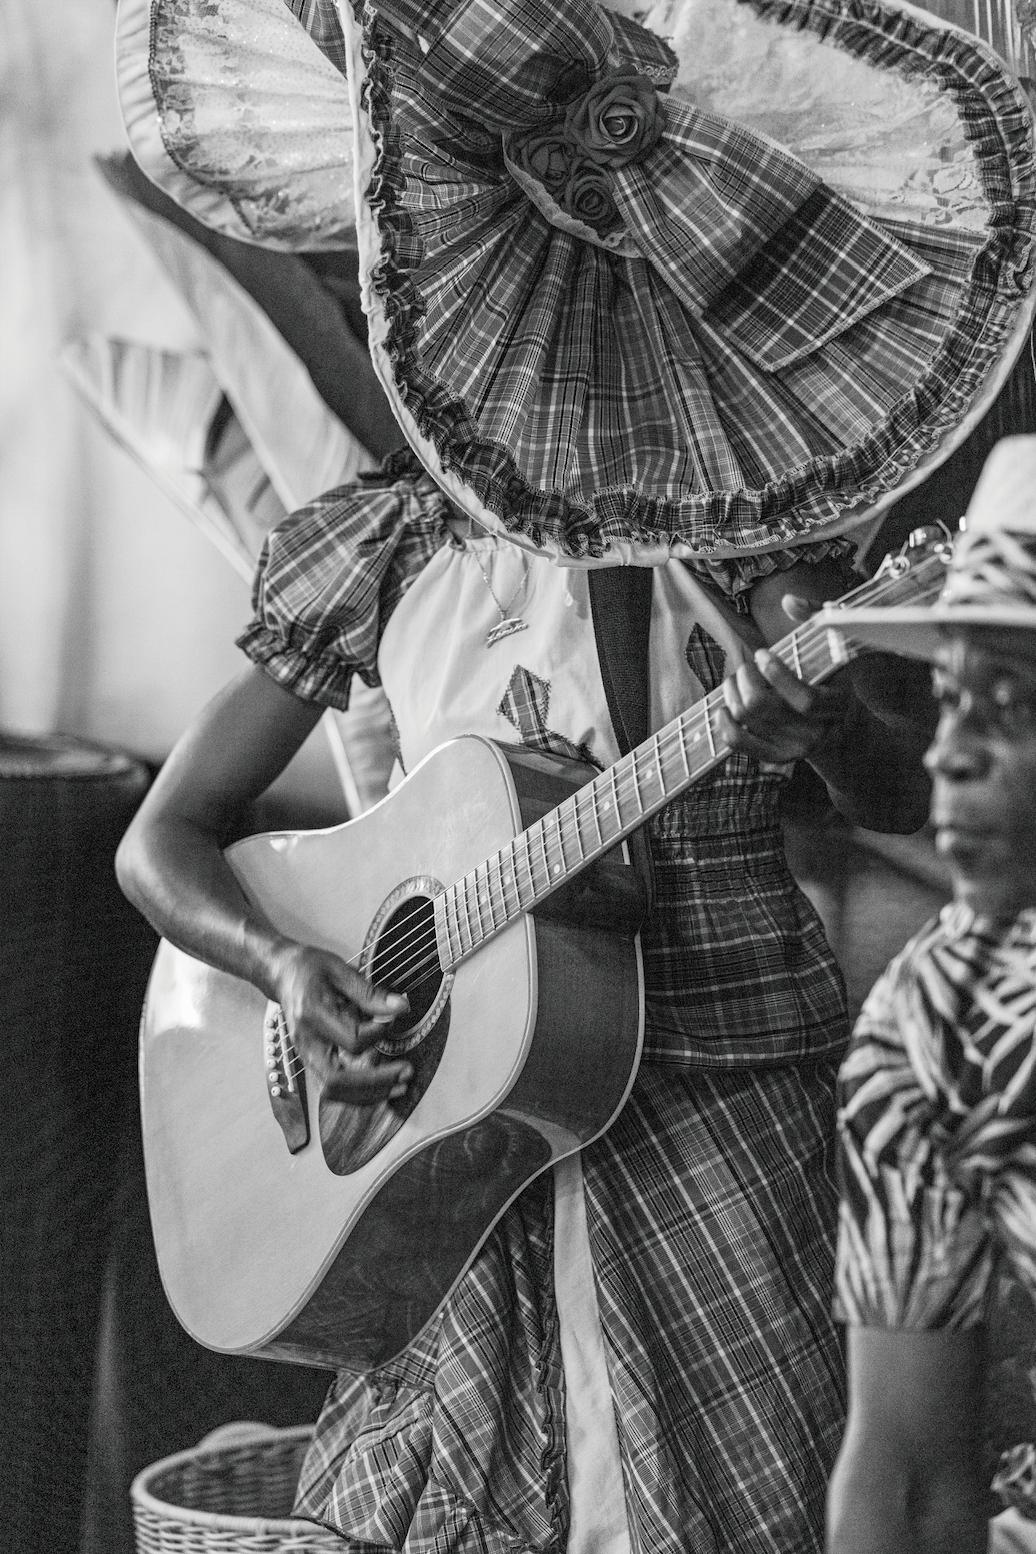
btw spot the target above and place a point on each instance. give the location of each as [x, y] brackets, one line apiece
[508, 624]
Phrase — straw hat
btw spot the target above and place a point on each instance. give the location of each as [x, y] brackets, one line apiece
[992, 576]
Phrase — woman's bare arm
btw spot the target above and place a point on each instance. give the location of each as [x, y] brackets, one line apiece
[171, 866]
[908, 1477]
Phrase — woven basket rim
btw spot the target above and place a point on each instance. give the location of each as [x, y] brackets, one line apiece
[144, 1501]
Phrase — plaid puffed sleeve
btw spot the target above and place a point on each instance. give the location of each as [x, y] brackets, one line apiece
[937, 1129]
[329, 578]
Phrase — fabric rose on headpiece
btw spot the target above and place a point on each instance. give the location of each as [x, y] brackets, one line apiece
[546, 155]
[588, 197]
[618, 121]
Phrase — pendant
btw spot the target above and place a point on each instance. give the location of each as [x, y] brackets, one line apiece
[505, 628]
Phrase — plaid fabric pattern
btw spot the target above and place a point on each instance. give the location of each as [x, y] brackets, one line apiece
[526, 705]
[576, 393]
[710, 1207]
[329, 577]
[737, 969]
[738, 227]
[459, 1444]
[938, 1128]
[321, 20]
[511, 64]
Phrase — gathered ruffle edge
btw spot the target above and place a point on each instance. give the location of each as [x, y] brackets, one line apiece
[283, 641]
[736, 577]
[324, 680]
[842, 488]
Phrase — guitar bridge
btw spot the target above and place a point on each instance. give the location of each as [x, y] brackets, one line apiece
[285, 1080]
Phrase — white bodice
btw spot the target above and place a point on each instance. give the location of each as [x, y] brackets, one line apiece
[442, 680]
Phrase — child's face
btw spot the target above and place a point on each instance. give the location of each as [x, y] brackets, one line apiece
[983, 767]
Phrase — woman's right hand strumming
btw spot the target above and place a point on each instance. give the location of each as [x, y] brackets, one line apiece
[171, 866]
[335, 1017]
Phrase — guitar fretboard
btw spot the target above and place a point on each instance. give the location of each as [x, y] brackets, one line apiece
[608, 809]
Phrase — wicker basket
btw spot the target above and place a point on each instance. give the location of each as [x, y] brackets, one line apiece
[230, 1494]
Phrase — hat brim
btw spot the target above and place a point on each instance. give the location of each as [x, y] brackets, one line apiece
[554, 415]
[918, 631]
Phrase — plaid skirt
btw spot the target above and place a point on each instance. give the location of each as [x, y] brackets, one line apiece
[710, 1210]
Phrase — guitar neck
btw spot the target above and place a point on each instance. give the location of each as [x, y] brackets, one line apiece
[595, 819]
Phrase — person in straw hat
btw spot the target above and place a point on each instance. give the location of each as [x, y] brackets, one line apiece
[937, 1121]
[617, 323]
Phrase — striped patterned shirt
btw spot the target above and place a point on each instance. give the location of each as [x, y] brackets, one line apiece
[938, 1128]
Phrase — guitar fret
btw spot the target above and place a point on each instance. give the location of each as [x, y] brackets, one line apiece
[482, 931]
[467, 916]
[636, 782]
[615, 798]
[503, 885]
[796, 661]
[682, 742]
[708, 729]
[596, 815]
[578, 823]
[559, 868]
[450, 923]
[528, 866]
[541, 828]
[489, 896]
[511, 877]
[658, 762]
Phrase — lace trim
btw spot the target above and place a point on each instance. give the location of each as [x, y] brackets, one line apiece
[893, 146]
[232, 109]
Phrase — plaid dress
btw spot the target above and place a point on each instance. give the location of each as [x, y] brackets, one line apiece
[709, 1205]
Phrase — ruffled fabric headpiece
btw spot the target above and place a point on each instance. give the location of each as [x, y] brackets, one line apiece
[241, 115]
[618, 325]
[630, 298]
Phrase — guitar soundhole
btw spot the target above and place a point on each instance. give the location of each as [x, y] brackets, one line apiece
[406, 960]
[400, 955]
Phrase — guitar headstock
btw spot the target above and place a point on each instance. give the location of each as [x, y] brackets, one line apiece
[914, 574]
[932, 541]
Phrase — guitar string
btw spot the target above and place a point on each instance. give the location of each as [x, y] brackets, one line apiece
[805, 646]
[423, 939]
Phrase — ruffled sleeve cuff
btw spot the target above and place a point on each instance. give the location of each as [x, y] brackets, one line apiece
[330, 576]
[735, 577]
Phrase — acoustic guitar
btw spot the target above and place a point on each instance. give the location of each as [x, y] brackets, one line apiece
[489, 886]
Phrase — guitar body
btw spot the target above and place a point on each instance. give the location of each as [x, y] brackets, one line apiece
[341, 1252]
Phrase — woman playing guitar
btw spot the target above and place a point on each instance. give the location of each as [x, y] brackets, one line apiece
[617, 327]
